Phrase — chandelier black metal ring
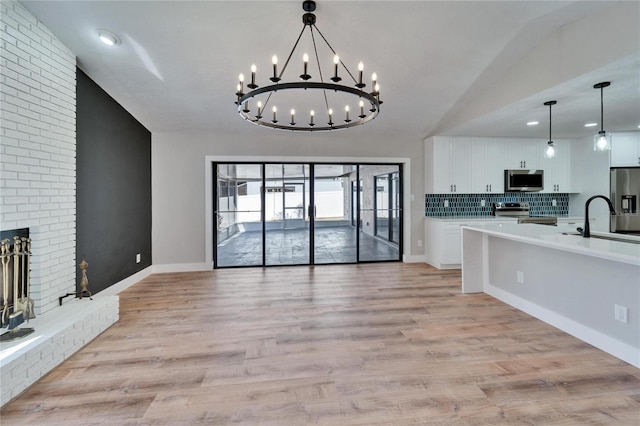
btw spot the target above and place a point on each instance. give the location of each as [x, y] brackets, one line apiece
[252, 106]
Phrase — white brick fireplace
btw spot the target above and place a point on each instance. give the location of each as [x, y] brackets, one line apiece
[37, 188]
[38, 150]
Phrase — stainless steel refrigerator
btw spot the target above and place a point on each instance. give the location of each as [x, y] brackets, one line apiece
[625, 194]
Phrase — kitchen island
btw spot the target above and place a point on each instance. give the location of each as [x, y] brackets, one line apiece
[587, 287]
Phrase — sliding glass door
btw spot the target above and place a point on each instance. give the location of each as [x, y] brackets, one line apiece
[334, 235]
[286, 222]
[238, 215]
[299, 214]
[380, 213]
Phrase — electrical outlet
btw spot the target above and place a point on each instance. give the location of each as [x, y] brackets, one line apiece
[520, 277]
[446, 203]
[138, 258]
[483, 203]
[620, 313]
[419, 243]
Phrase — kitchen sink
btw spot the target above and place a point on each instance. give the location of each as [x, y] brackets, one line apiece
[606, 237]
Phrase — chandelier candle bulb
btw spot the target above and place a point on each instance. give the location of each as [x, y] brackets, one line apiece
[274, 61]
[293, 113]
[311, 116]
[362, 109]
[241, 78]
[346, 111]
[274, 114]
[361, 70]
[246, 107]
[330, 117]
[336, 61]
[377, 93]
[374, 80]
[258, 116]
[305, 61]
[253, 84]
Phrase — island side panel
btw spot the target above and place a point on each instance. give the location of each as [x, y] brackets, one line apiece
[582, 289]
[474, 260]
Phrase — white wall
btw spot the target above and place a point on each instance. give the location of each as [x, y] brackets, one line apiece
[38, 149]
[590, 176]
[179, 234]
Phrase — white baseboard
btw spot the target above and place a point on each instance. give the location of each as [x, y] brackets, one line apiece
[154, 269]
[182, 267]
[601, 341]
[127, 282]
[415, 258]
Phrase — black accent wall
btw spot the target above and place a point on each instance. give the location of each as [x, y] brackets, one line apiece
[113, 188]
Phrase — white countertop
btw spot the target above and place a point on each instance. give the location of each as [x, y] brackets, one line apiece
[493, 218]
[471, 218]
[554, 237]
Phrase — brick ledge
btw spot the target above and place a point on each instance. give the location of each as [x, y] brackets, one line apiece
[58, 334]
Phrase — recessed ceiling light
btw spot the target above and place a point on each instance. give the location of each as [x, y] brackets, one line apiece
[108, 38]
[590, 124]
[532, 123]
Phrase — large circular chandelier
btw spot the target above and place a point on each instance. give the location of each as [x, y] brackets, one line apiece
[311, 103]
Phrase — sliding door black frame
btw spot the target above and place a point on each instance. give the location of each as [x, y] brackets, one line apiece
[392, 193]
[310, 211]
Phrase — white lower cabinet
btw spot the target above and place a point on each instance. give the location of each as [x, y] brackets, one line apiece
[442, 237]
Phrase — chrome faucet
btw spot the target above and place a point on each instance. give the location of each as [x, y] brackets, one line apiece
[585, 230]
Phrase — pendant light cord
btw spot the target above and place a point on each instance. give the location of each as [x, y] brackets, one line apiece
[601, 109]
[550, 123]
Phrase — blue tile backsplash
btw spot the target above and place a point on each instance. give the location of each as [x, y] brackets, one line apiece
[469, 204]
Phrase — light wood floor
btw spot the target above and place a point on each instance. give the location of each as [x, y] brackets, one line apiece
[381, 344]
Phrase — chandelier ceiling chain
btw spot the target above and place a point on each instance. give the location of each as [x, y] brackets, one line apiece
[305, 91]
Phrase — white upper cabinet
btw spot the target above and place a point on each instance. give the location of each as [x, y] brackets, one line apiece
[447, 165]
[468, 165]
[625, 150]
[557, 170]
[487, 165]
[521, 154]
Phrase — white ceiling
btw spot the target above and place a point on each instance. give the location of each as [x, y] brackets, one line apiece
[177, 66]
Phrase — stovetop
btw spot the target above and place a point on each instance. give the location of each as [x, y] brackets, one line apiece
[510, 209]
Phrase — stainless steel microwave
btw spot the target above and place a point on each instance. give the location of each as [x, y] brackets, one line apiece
[521, 180]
